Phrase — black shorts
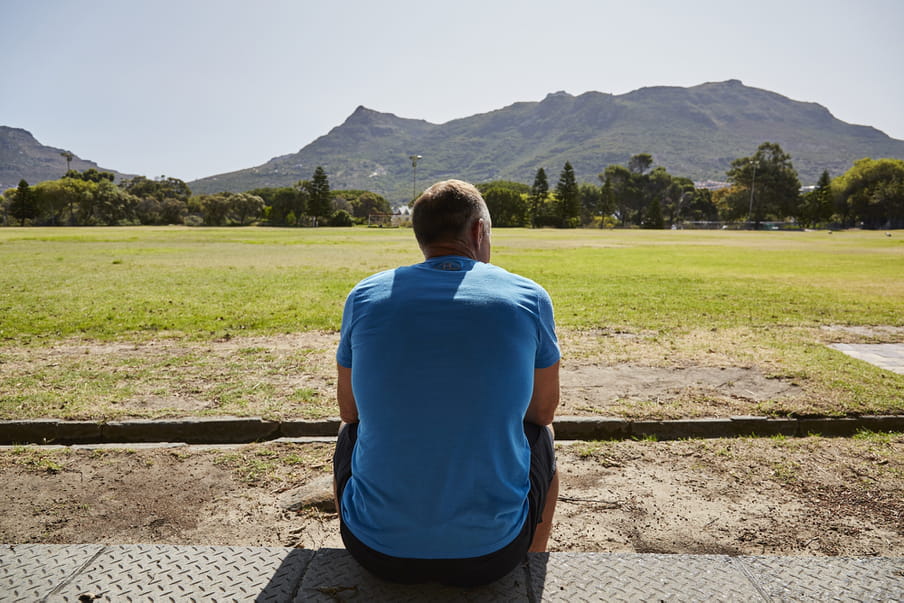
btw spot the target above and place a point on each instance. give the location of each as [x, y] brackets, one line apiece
[471, 571]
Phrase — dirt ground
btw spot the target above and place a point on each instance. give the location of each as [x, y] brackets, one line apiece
[812, 496]
[710, 373]
[809, 496]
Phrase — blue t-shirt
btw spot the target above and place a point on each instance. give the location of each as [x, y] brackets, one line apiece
[442, 356]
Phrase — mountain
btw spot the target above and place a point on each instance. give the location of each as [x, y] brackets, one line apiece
[694, 132]
[21, 156]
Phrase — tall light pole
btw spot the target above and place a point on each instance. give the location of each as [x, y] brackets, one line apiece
[752, 187]
[414, 159]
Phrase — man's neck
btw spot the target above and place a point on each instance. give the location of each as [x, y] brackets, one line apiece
[450, 248]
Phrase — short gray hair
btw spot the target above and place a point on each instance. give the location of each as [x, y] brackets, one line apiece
[445, 210]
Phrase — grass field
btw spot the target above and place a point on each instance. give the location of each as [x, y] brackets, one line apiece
[740, 298]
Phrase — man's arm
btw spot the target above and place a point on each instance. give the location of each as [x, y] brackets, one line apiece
[348, 408]
[545, 399]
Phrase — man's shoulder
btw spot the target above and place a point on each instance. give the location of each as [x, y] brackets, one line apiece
[513, 277]
[376, 278]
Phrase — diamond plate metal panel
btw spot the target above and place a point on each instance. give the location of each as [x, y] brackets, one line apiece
[190, 573]
[635, 577]
[333, 575]
[829, 578]
[30, 572]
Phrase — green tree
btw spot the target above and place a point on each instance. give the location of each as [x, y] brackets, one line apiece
[161, 201]
[676, 197]
[173, 211]
[342, 218]
[23, 206]
[112, 205]
[214, 208]
[591, 202]
[284, 203]
[622, 186]
[652, 217]
[160, 189]
[52, 197]
[367, 203]
[640, 163]
[245, 207]
[817, 205]
[607, 201]
[320, 201]
[506, 205]
[698, 207]
[567, 194]
[732, 203]
[539, 193]
[871, 193]
[91, 175]
[771, 182]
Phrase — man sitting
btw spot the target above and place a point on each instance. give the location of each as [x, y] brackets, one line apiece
[448, 381]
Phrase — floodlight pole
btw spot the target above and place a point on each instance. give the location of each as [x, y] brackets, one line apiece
[414, 159]
[752, 187]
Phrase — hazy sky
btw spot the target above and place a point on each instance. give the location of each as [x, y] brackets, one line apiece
[193, 88]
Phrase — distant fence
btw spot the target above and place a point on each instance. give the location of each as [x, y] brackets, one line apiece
[738, 226]
[387, 220]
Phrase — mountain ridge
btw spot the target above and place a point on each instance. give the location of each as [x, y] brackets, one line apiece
[23, 157]
[694, 132]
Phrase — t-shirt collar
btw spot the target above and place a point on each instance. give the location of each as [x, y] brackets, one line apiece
[452, 263]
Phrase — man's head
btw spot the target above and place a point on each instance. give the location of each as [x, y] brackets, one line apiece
[451, 217]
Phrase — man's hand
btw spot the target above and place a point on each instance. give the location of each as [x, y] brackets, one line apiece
[545, 399]
[348, 409]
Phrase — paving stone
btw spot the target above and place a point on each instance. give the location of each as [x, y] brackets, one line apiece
[334, 576]
[889, 356]
[634, 577]
[190, 573]
[31, 572]
[828, 578]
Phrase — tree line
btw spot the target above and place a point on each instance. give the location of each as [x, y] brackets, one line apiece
[91, 198]
[763, 187]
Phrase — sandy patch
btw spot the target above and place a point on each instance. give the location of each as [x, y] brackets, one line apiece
[811, 496]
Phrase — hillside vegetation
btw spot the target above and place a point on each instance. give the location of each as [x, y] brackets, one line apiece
[693, 132]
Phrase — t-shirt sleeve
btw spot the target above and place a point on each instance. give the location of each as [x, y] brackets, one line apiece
[344, 351]
[548, 349]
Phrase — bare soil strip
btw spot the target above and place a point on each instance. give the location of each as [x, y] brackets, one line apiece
[813, 496]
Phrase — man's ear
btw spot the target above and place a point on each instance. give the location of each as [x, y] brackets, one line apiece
[478, 231]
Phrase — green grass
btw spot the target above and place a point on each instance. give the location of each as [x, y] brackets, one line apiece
[192, 282]
[689, 279]
[729, 298]
[109, 283]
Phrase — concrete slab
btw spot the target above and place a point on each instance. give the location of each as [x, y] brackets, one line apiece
[36, 572]
[888, 356]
